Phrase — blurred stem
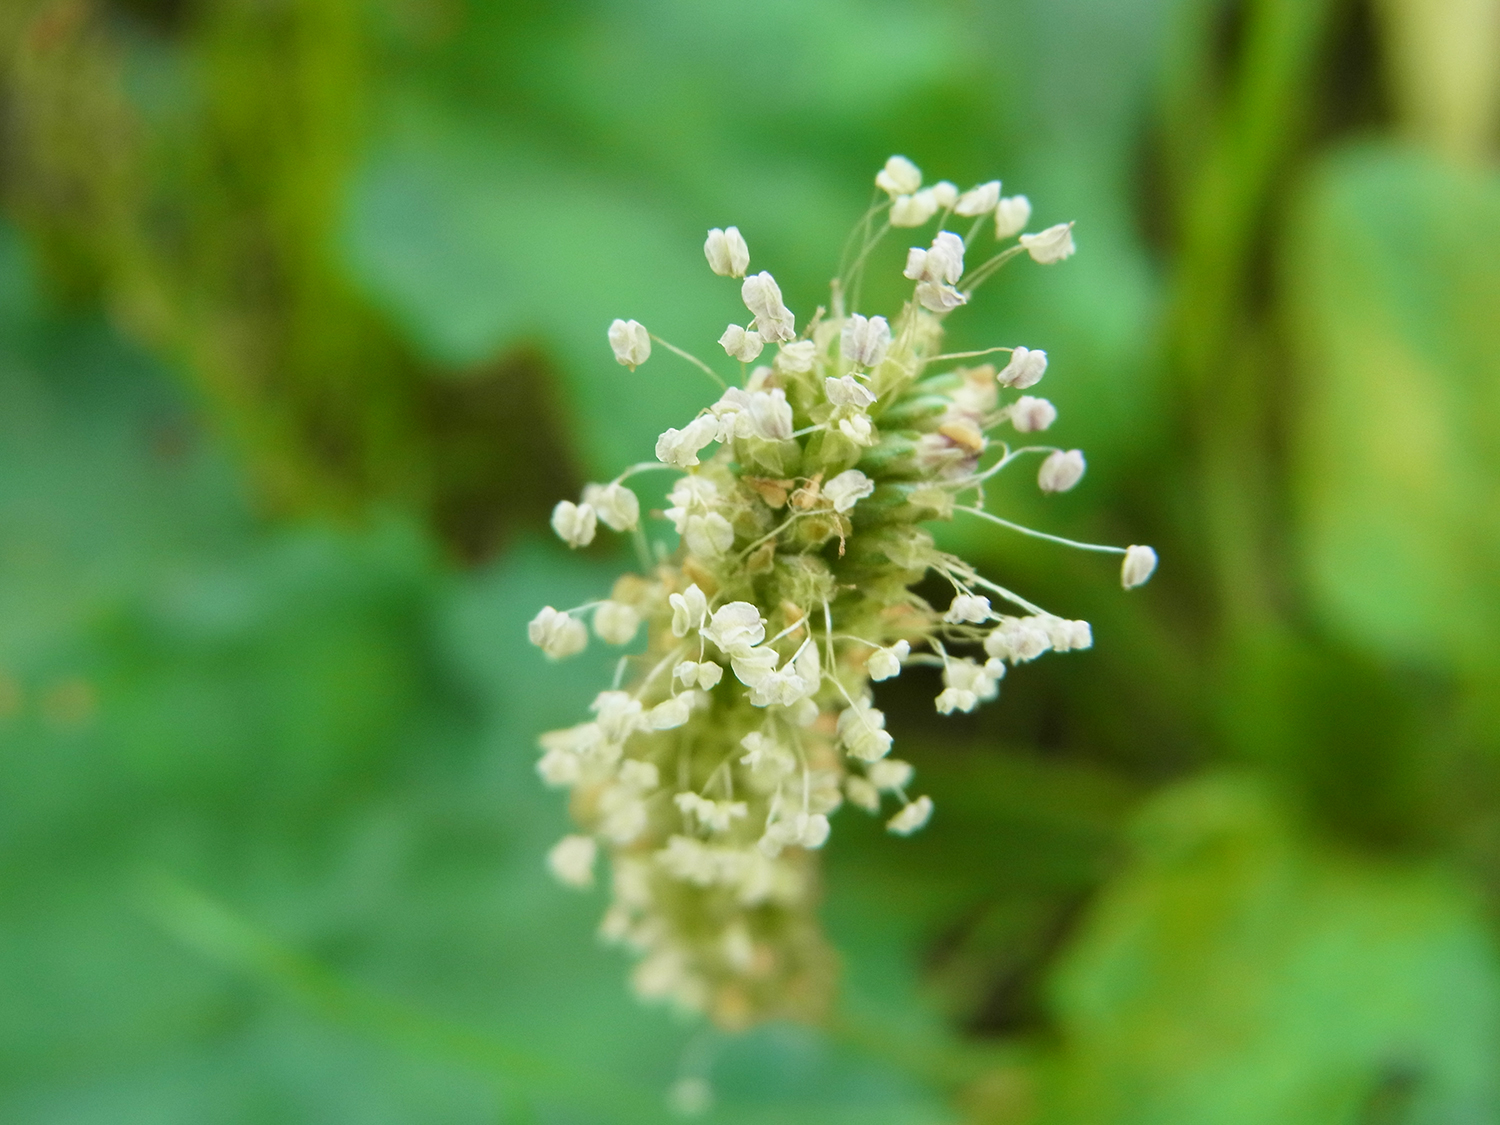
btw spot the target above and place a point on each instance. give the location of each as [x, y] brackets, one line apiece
[209, 228]
[1223, 212]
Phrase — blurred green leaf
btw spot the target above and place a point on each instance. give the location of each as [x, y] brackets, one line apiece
[1235, 974]
[475, 244]
[1394, 266]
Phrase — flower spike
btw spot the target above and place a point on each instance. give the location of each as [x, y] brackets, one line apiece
[779, 589]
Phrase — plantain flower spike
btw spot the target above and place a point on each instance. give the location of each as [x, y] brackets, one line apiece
[704, 780]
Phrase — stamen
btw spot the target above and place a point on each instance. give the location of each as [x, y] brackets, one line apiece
[694, 360]
[985, 271]
[968, 355]
[1042, 534]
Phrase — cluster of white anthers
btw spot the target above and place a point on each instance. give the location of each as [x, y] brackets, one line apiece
[710, 768]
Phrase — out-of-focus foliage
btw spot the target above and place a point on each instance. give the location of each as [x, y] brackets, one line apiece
[1396, 264]
[305, 299]
[1234, 973]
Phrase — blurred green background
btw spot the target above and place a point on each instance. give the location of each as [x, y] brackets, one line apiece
[302, 309]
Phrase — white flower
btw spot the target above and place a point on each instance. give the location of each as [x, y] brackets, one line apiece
[1052, 245]
[762, 296]
[562, 763]
[807, 830]
[939, 298]
[913, 210]
[912, 817]
[803, 713]
[558, 767]
[899, 177]
[1067, 635]
[1029, 415]
[557, 634]
[861, 728]
[690, 860]
[813, 830]
[727, 254]
[950, 700]
[622, 814]
[752, 666]
[690, 495]
[967, 684]
[615, 504]
[616, 623]
[1025, 369]
[743, 346]
[582, 739]
[736, 627]
[767, 756]
[708, 536]
[968, 608]
[943, 261]
[1060, 471]
[642, 777]
[694, 674]
[847, 489]
[885, 663]
[865, 342]
[858, 429]
[619, 714]
[860, 792]
[891, 773]
[798, 358]
[1018, 639]
[1138, 566]
[966, 675]
[668, 714]
[806, 676]
[572, 860]
[732, 403]
[630, 341]
[679, 448]
[848, 392]
[850, 398]
[974, 399]
[689, 609]
[715, 816]
[791, 683]
[1011, 216]
[574, 523]
[945, 193]
[767, 416]
[978, 201]
[664, 976]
